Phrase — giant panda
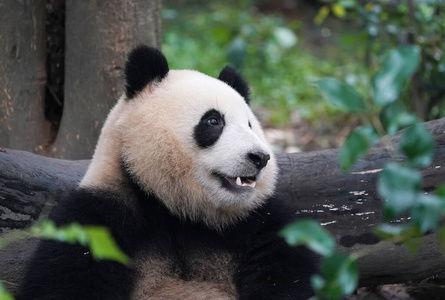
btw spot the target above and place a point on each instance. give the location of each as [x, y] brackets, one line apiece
[184, 178]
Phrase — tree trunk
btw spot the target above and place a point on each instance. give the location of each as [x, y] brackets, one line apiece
[23, 75]
[99, 36]
[309, 183]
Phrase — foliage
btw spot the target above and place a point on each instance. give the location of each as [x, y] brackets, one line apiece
[4, 294]
[398, 185]
[339, 272]
[388, 24]
[266, 48]
[98, 239]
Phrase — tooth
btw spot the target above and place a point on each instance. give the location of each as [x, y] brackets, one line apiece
[238, 181]
[252, 184]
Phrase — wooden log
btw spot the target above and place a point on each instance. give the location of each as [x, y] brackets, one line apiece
[310, 183]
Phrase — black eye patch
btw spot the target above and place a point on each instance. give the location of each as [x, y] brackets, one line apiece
[209, 128]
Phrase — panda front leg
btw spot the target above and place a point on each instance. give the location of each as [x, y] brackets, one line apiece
[59, 270]
[65, 271]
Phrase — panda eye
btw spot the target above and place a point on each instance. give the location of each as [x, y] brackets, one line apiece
[213, 122]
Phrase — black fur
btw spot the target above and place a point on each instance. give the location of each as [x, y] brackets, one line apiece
[268, 268]
[65, 271]
[144, 65]
[234, 79]
[209, 128]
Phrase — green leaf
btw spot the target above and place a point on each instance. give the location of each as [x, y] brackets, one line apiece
[317, 282]
[73, 233]
[427, 211]
[356, 145]
[285, 37]
[407, 234]
[4, 294]
[309, 233]
[389, 231]
[399, 187]
[418, 146]
[338, 10]
[322, 14]
[340, 95]
[340, 272]
[440, 191]
[398, 66]
[237, 52]
[98, 239]
[103, 246]
[394, 117]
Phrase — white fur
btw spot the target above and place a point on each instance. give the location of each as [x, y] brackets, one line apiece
[153, 133]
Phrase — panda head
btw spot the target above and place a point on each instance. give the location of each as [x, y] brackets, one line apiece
[191, 140]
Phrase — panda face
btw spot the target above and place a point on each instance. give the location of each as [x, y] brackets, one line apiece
[232, 155]
[194, 142]
[187, 138]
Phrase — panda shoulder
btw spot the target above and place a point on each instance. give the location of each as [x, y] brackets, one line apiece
[100, 208]
[277, 212]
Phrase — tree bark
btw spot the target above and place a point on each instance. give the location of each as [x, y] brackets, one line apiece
[309, 184]
[23, 75]
[99, 36]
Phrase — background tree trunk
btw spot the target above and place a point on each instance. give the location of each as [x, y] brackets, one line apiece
[99, 35]
[23, 75]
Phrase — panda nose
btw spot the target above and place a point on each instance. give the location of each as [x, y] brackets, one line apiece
[259, 159]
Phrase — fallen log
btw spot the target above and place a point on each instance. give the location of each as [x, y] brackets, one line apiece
[310, 183]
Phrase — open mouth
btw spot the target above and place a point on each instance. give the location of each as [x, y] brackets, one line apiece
[237, 182]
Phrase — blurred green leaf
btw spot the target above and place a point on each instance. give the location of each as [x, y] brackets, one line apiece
[389, 231]
[399, 187]
[103, 246]
[4, 294]
[323, 13]
[398, 66]
[440, 191]
[338, 10]
[285, 37]
[340, 274]
[98, 239]
[356, 145]
[418, 146]
[340, 95]
[317, 282]
[348, 3]
[408, 234]
[427, 211]
[309, 233]
[237, 52]
[394, 117]
[221, 34]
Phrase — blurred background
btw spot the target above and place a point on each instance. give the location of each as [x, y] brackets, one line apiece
[61, 61]
[284, 47]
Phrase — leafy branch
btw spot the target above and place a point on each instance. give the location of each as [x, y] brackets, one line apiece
[399, 185]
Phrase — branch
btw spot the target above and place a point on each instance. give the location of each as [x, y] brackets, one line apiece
[310, 183]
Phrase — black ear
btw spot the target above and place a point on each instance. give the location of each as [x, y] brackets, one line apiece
[144, 65]
[230, 76]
